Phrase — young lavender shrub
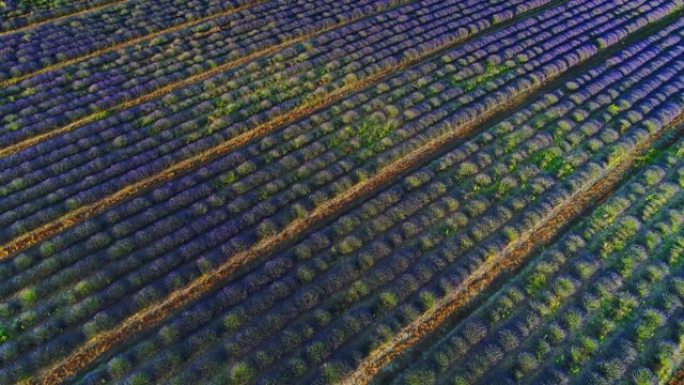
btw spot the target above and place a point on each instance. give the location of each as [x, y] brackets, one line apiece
[241, 373]
[419, 377]
[266, 228]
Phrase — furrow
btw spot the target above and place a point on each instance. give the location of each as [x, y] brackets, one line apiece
[154, 314]
[68, 220]
[509, 258]
[123, 44]
[59, 18]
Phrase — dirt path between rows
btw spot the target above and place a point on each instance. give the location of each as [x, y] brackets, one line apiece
[123, 44]
[78, 215]
[59, 18]
[514, 254]
[510, 258]
[154, 314]
[19, 146]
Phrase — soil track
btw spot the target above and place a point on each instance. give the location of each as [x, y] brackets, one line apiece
[337, 205]
[59, 18]
[510, 258]
[70, 219]
[123, 44]
[154, 314]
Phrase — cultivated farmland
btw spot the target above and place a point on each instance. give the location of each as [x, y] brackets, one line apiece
[342, 192]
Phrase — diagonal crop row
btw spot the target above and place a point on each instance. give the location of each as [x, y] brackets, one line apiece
[185, 294]
[33, 208]
[479, 280]
[26, 51]
[19, 17]
[192, 192]
[162, 66]
[263, 324]
[19, 278]
[228, 134]
[373, 343]
[503, 314]
[47, 75]
[606, 286]
[222, 35]
[73, 255]
[268, 69]
[167, 66]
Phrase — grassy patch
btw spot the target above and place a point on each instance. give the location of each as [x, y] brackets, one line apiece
[552, 163]
[491, 71]
[366, 134]
[373, 130]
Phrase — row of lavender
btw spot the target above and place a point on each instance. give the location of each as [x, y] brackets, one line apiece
[263, 197]
[100, 83]
[162, 152]
[71, 170]
[29, 50]
[309, 314]
[250, 181]
[603, 305]
[96, 86]
[180, 263]
[21, 13]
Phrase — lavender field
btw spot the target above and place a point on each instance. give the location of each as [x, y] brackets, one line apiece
[412, 192]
